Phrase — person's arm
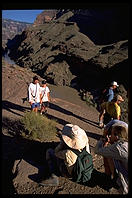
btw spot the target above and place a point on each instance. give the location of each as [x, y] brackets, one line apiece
[118, 112]
[110, 95]
[48, 95]
[108, 151]
[101, 115]
[29, 94]
[60, 150]
[40, 94]
[87, 147]
[107, 127]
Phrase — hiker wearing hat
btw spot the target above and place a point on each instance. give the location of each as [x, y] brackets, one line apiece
[108, 93]
[118, 151]
[45, 97]
[63, 158]
[34, 94]
[110, 110]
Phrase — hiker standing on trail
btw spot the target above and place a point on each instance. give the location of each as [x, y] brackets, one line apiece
[110, 110]
[108, 94]
[34, 94]
[118, 151]
[45, 97]
[63, 157]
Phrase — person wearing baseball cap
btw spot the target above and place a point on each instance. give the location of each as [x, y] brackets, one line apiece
[110, 110]
[34, 94]
[114, 83]
[45, 97]
[111, 91]
[107, 94]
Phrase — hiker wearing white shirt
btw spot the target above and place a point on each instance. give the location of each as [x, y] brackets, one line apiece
[34, 94]
[45, 97]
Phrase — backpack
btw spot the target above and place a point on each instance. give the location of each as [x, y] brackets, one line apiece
[104, 95]
[83, 167]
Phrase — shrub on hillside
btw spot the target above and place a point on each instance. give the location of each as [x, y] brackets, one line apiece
[38, 127]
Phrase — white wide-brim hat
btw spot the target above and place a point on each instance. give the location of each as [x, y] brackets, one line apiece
[74, 136]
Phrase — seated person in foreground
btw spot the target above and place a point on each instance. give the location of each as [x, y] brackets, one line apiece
[63, 159]
[118, 151]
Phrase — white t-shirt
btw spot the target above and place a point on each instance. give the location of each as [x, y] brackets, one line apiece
[34, 92]
[44, 92]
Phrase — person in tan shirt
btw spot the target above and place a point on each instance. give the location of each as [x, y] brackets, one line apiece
[64, 159]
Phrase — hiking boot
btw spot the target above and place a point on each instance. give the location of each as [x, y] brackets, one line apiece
[51, 181]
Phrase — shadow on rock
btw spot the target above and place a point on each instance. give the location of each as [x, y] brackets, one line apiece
[62, 110]
[10, 106]
[16, 150]
[100, 179]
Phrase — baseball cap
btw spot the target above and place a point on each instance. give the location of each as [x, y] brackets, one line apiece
[44, 82]
[114, 83]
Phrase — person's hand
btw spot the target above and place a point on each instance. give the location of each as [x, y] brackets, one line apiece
[59, 134]
[104, 139]
[108, 138]
[64, 145]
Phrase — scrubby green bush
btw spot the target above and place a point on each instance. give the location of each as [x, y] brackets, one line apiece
[90, 102]
[38, 127]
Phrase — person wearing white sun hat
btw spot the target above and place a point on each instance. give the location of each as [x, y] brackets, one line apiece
[62, 157]
[75, 137]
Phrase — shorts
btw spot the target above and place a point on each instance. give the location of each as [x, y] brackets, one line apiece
[45, 104]
[35, 105]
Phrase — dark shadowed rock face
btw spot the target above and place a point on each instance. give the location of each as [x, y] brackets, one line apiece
[103, 25]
